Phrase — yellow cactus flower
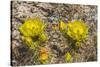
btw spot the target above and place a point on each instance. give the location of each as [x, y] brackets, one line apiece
[77, 30]
[43, 37]
[32, 27]
[68, 57]
[43, 55]
[29, 42]
[33, 31]
[62, 25]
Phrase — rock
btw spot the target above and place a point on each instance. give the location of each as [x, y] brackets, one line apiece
[55, 36]
[52, 43]
[16, 34]
[54, 40]
[15, 44]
